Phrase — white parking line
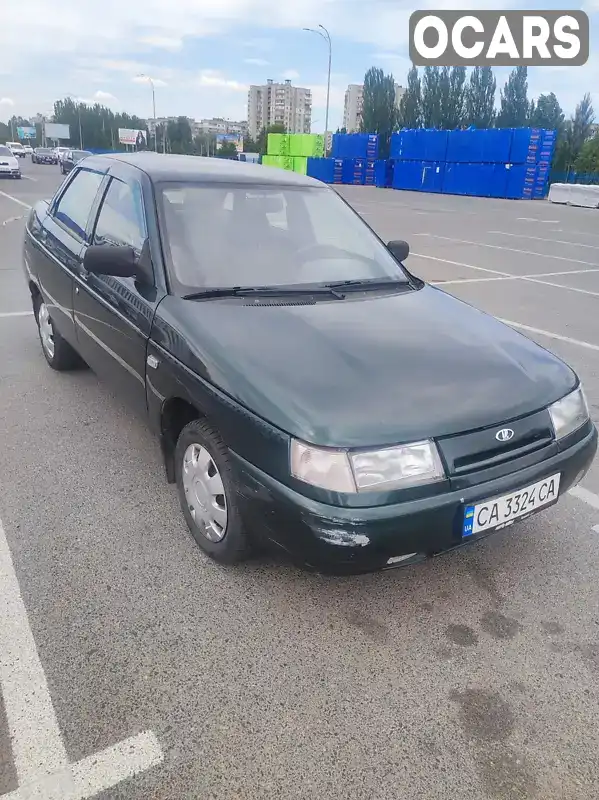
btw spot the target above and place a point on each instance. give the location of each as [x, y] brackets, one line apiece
[4, 314]
[544, 239]
[508, 249]
[532, 277]
[29, 178]
[40, 758]
[550, 335]
[590, 498]
[15, 199]
[534, 219]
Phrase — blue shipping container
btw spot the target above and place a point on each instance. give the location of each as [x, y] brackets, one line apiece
[516, 184]
[322, 169]
[355, 145]
[496, 145]
[419, 145]
[418, 176]
[383, 173]
[465, 147]
[474, 180]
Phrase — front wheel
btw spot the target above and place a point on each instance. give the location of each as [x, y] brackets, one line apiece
[207, 493]
[57, 351]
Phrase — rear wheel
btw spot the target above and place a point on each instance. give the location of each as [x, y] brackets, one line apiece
[207, 493]
[57, 351]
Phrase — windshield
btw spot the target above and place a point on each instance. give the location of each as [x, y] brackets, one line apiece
[77, 155]
[4, 151]
[230, 235]
[42, 150]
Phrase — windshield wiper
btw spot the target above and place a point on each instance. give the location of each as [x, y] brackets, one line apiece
[262, 291]
[369, 283]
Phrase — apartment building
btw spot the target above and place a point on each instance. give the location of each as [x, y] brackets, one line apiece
[279, 104]
[354, 100]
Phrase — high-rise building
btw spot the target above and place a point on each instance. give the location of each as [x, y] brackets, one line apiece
[279, 104]
[354, 101]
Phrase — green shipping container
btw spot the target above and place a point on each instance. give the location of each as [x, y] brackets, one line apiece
[308, 145]
[277, 144]
[282, 162]
[300, 164]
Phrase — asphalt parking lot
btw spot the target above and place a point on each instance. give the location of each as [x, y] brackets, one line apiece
[146, 672]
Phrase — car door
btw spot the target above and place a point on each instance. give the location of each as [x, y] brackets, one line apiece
[54, 247]
[113, 316]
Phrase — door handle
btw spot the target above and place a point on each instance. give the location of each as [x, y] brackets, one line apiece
[76, 290]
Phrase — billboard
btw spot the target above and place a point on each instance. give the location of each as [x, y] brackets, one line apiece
[26, 132]
[134, 137]
[235, 138]
[56, 130]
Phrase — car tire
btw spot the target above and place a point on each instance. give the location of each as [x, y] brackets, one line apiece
[201, 458]
[57, 351]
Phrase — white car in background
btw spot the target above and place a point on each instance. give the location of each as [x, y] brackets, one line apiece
[17, 149]
[9, 166]
[60, 153]
[28, 149]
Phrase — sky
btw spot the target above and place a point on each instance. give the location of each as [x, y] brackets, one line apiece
[203, 54]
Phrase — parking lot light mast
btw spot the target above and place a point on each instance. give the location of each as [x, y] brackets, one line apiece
[147, 77]
[323, 32]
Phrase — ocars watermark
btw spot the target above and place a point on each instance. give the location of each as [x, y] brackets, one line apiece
[499, 38]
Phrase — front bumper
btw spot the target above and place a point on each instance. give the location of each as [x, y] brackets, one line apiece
[7, 172]
[339, 540]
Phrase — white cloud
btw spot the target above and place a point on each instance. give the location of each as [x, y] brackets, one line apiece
[256, 62]
[291, 74]
[216, 80]
[6, 101]
[162, 42]
[101, 95]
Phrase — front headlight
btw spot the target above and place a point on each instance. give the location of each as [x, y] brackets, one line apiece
[569, 413]
[391, 468]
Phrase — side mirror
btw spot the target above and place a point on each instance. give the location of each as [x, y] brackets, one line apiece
[399, 249]
[106, 259]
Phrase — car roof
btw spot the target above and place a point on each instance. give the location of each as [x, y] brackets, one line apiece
[200, 169]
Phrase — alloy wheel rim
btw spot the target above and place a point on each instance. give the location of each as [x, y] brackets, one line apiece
[46, 332]
[205, 492]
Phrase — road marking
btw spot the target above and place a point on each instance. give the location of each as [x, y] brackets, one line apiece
[550, 335]
[531, 277]
[508, 249]
[534, 278]
[29, 178]
[40, 758]
[13, 219]
[595, 528]
[15, 314]
[15, 199]
[460, 263]
[544, 239]
[576, 233]
[534, 219]
[590, 498]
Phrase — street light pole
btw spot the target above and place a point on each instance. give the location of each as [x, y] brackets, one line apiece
[323, 32]
[147, 77]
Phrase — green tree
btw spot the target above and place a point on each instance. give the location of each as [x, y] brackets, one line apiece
[452, 87]
[178, 135]
[582, 122]
[410, 106]
[379, 109]
[262, 140]
[99, 125]
[514, 110]
[547, 113]
[480, 98]
[227, 150]
[431, 97]
[588, 157]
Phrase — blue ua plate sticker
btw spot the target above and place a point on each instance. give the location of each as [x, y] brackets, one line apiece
[468, 521]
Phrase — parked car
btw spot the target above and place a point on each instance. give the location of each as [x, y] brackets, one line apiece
[43, 155]
[17, 149]
[9, 166]
[71, 158]
[305, 386]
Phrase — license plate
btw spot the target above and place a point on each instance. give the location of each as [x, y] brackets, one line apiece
[502, 511]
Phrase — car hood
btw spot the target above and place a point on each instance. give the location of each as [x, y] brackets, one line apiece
[365, 372]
